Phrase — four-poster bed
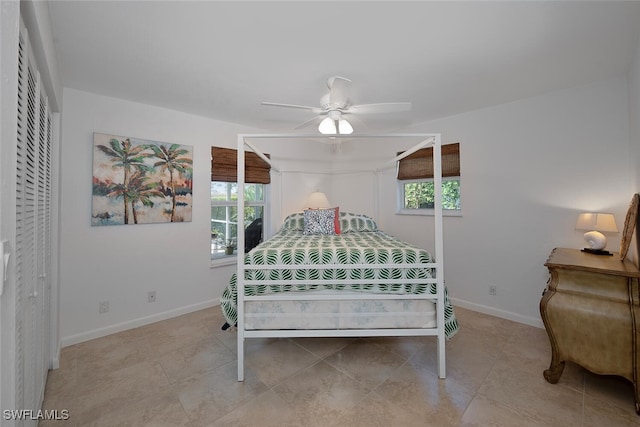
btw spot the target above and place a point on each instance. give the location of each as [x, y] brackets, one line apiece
[355, 282]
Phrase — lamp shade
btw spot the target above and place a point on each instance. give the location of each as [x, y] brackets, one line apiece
[597, 221]
[317, 200]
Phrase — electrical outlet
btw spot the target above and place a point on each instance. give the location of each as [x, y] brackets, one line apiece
[103, 307]
[493, 290]
[151, 296]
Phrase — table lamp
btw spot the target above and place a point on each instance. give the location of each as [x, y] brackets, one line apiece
[595, 223]
[317, 200]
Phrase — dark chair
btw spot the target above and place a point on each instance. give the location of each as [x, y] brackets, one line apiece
[253, 235]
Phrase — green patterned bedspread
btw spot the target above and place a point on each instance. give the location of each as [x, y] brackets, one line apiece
[291, 247]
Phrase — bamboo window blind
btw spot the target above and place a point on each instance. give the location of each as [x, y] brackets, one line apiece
[419, 165]
[224, 166]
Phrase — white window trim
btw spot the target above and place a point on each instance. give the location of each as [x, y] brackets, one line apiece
[428, 212]
[400, 210]
[266, 205]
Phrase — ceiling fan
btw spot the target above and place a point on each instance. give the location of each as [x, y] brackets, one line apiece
[335, 104]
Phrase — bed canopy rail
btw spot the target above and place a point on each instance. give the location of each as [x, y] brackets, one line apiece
[426, 140]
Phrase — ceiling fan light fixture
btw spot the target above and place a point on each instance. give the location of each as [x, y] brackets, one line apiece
[334, 124]
[327, 126]
[344, 127]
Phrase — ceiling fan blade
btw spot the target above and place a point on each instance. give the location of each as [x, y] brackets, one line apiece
[357, 124]
[300, 107]
[339, 90]
[386, 107]
[308, 122]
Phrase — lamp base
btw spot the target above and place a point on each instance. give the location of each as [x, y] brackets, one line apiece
[596, 251]
[595, 239]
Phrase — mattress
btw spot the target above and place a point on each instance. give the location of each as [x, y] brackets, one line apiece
[340, 313]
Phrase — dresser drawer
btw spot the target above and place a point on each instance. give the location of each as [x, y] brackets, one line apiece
[597, 285]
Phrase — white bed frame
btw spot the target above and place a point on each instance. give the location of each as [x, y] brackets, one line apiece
[428, 139]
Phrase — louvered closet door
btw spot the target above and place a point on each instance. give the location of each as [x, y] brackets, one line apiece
[43, 246]
[33, 194]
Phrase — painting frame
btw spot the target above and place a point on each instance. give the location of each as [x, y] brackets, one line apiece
[140, 181]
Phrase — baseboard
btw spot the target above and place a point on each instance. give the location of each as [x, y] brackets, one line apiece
[130, 324]
[123, 326]
[54, 362]
[503, 314]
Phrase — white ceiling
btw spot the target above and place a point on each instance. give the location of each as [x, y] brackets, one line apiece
[222, 59]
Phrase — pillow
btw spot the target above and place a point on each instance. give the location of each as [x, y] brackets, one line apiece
[336, 221]
[294, 222]
[350, 223]
[320, 221]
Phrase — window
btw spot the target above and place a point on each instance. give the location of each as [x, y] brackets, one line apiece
[415, 181]
[224, 214]
[419, 194]
[224, 198]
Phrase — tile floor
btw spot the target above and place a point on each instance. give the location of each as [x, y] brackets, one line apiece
[182, 372]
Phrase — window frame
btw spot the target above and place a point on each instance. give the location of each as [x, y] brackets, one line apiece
[418, 167]
[402, 210]
[224, 170]
[224, 259]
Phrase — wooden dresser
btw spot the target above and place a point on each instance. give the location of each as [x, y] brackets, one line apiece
[590, 310]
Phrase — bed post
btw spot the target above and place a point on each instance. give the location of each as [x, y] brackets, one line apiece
[437, 186]
[240, 257]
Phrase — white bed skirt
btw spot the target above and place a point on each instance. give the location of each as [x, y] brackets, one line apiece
[340, 314]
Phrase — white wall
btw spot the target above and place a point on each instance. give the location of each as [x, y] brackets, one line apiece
[120, 264]
[634, 117]
[528, 168]
[634, 138]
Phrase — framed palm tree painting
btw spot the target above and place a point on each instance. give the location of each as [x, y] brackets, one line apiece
[137, 181]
